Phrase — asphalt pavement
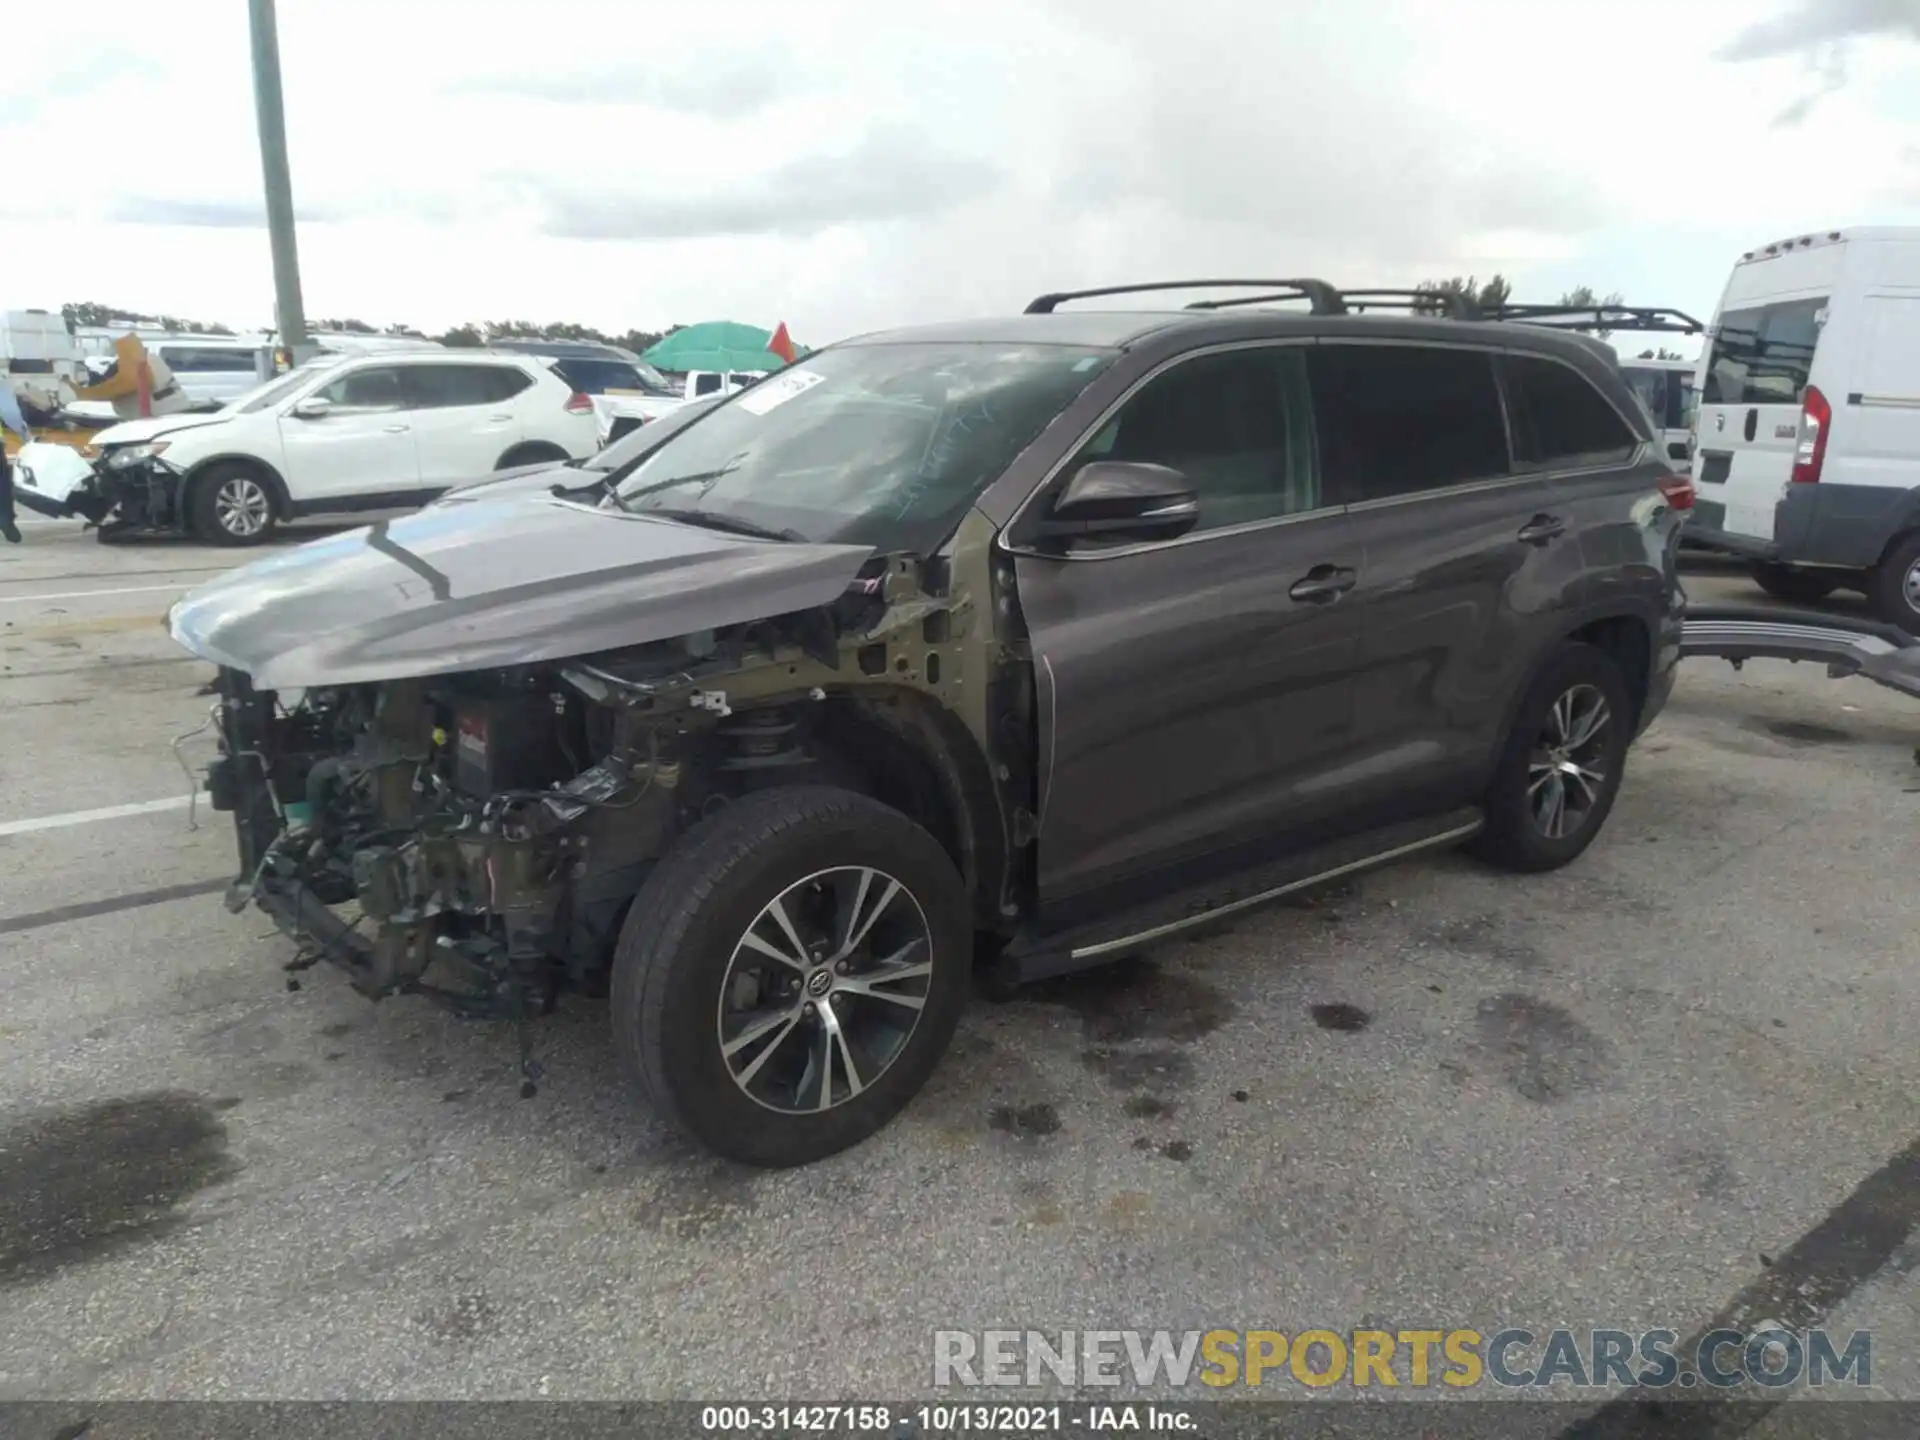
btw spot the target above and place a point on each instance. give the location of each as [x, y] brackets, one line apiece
[1643, 1092]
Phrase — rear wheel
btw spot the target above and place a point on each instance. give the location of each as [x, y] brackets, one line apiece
[1562, 765]
[791, 973]
[536, 452]
[1896, 585]
[231, 505]
[1792, 584]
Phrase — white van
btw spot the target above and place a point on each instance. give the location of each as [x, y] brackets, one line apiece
[215, 369]
[1808, 432]
[1666, 388]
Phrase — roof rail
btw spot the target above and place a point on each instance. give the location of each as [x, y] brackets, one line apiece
[1325, 299]
[1598, 317]
[1450, 303]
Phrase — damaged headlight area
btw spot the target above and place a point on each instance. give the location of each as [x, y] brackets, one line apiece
[125, 457]
[490, 829]
[133, 488]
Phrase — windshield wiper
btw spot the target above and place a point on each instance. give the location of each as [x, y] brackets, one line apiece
[712, 520]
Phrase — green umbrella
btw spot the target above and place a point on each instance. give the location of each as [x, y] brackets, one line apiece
[716, 345]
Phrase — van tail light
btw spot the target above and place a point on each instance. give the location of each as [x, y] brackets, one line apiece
[1816, 419]
[1677, 491]
[579, 404]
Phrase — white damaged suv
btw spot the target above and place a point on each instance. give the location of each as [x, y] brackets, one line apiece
[343, 433]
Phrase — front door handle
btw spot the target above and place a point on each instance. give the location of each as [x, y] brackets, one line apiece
[397, 429]
[498, 419]
[1542, 529]
[1322, 585]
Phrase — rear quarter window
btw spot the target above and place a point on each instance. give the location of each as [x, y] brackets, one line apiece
[1763, 355]
[1560, 417]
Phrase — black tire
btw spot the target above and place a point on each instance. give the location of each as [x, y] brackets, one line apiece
[1895, 584]
[1795, 586]
[678, 946]
[1516, 837]
[226, 506]
[533, 453]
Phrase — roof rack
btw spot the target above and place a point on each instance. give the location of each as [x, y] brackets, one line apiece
[1324, 298]
[1653, 319]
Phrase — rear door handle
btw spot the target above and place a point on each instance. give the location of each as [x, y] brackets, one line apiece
[1542, 529]
[1322, 585]
[499, 419]
[397, 429]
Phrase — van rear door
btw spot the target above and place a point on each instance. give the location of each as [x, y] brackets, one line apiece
[1758, 366]
[1881, 444]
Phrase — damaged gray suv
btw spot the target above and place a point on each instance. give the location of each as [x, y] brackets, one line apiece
[1019, 644]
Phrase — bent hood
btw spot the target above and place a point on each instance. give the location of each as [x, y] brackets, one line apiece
[138, 432]
[514, 581]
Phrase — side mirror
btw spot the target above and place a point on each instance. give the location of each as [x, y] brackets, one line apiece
[313, 408]
[1116, 500]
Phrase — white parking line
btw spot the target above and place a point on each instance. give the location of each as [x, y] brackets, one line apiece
[87, 817]
[90, 594]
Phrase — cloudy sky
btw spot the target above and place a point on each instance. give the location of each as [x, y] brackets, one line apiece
[847, 164]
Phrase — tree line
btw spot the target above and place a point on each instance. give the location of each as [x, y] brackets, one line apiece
[468, 336]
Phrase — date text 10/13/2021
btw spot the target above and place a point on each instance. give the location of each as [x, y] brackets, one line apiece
[957, 1419]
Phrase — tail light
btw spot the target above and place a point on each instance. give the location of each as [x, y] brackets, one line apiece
[1816, 418]
[579, 404]
[1677, 491]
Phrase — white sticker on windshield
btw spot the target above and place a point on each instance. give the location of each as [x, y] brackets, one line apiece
[777, 389]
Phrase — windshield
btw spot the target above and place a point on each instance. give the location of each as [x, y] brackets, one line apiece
[654, 381]
[274, 391]
[1667, 394]
[623, 453]
[597, 377]
[882, 445]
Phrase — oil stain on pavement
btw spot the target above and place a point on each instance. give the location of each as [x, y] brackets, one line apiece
[1543, 1051]
[1138, 1020]
[80, 1182]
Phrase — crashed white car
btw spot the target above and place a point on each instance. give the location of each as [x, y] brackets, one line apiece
[338, 435]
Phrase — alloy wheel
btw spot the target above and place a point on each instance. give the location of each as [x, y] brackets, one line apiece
[241, 507]
[824, 989]
[1566, 773]
[1910, 587]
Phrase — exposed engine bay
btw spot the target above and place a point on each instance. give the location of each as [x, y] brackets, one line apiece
[492, 827]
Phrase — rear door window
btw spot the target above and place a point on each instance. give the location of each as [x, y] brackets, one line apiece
[1764, 355]
[1397, 420]
[445, 387]
[375, 388]
[1561, 418]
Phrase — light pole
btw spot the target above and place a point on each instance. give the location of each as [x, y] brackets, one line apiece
[270, 117]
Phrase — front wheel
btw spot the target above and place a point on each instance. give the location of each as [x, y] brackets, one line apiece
[1562, 764]
[231, 505]
[791, 973]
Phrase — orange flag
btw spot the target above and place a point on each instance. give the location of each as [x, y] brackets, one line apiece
[782, 344]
